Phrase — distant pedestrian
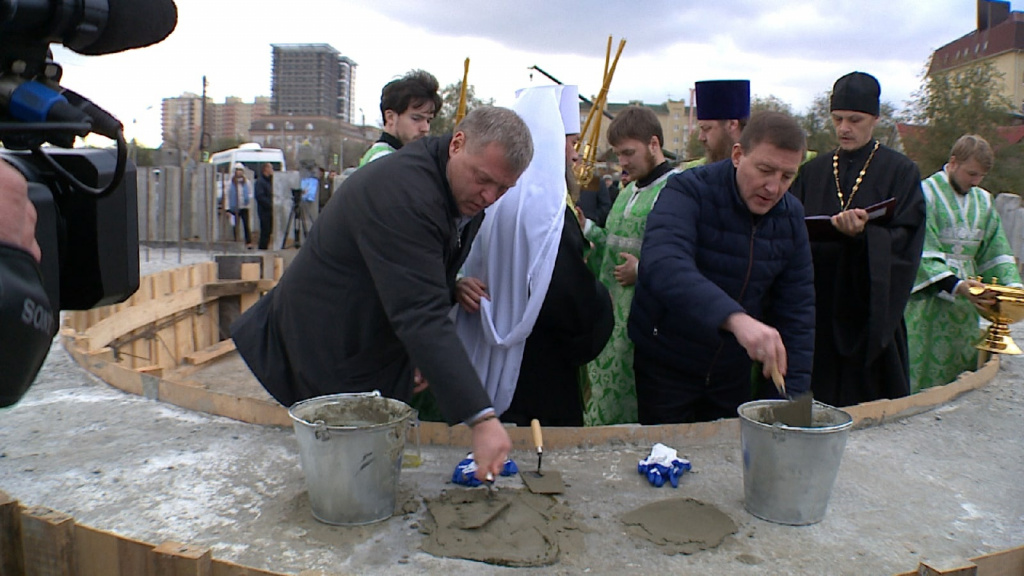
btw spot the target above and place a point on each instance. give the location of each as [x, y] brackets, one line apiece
[265, 203]
[239, 196]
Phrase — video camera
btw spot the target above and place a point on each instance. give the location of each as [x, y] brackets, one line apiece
[85, 199]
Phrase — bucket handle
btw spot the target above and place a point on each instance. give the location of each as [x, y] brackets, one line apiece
[320, 431]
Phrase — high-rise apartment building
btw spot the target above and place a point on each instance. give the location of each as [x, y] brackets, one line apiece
[312, 80]
[181, 118]
[231, 120]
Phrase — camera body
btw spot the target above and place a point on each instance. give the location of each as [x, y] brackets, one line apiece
[89, 244]
[85, 199]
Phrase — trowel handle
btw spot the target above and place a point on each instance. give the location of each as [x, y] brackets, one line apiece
[538, 438]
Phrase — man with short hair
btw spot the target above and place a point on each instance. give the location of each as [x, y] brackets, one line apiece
[964, 239]
[407, 105]
[368, 296]
[532, 312]
[863, 270]
[264, 195]
[725, 280]
[636, 137]
[723, 107]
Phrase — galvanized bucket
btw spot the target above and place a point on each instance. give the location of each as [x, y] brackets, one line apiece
[350, 447]
[788, 472]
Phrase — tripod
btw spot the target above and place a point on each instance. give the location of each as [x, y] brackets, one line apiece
[297, 220]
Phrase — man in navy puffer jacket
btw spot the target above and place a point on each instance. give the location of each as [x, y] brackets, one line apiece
[725, 280]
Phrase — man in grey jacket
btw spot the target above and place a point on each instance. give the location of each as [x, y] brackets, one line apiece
[365, 303]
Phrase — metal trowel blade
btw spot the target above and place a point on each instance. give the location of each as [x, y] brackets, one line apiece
[548, 483]
[796, 412]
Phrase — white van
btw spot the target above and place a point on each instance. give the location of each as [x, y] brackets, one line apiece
[250, 155]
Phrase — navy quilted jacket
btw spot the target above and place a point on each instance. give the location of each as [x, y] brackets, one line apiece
[704, 257]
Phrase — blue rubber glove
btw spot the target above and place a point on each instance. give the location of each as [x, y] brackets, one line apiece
[465, 471]
[663, 464]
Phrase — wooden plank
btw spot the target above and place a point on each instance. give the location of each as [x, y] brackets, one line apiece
[249, 272]
[213, 308]
[210, 353]
[152, 370]
[183, 342]
[278, 268]
[103, 333]
[225, 568]
[177, 559]
[48, 542]
[165, 336]
[947, 568]
[879, 411]
[133, 556]
[236, 287]
[97, 553]
[12, 558]
[1004, 563]
[200, 333]
[142, 349]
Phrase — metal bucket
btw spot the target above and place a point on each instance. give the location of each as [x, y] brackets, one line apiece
[788, 472]
[350, 447]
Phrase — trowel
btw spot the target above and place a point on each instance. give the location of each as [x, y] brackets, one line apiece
[538, 482]
[797, 411]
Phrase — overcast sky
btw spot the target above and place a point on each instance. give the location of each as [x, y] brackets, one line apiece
[792, 49]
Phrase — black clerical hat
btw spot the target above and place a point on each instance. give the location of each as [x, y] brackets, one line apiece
[723, 99]
[856, 91]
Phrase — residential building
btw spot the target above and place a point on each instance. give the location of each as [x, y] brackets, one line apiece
[335, 144]
[312, 80]
[675, 118]
[231, 120]
[999, 39]
[181, 121]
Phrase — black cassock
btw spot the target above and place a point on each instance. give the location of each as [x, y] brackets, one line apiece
[572, 328]
[862, 284]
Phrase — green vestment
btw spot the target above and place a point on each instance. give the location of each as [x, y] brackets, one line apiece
[612, 398]
[963, 238]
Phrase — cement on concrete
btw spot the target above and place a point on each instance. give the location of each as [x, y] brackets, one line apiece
[939, 485]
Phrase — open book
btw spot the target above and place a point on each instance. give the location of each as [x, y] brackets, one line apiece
[820, 228]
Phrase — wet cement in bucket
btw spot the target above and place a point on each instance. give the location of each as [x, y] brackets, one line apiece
[680, 525]
[355, 412]
[802, 412]
[507, 528]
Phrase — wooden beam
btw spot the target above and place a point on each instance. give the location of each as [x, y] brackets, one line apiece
[97, 553]
[953, 568]
[152, 370]
[105, 331]
[231, 287]
[250, 271]
[177, 559]
[225, 568]
[1004, 563]
[12, 558]
[210, 353]
[48, 542]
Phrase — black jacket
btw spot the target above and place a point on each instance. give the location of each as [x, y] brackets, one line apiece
[368, 296]
[705, 256]
[264, 191]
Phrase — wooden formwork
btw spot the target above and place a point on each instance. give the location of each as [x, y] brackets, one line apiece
[1003, 563]
[44, 542]
[174, 320]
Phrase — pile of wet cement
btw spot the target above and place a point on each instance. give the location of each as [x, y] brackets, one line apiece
[507, 527]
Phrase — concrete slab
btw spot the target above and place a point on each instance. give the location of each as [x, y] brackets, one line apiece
[943, 484]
